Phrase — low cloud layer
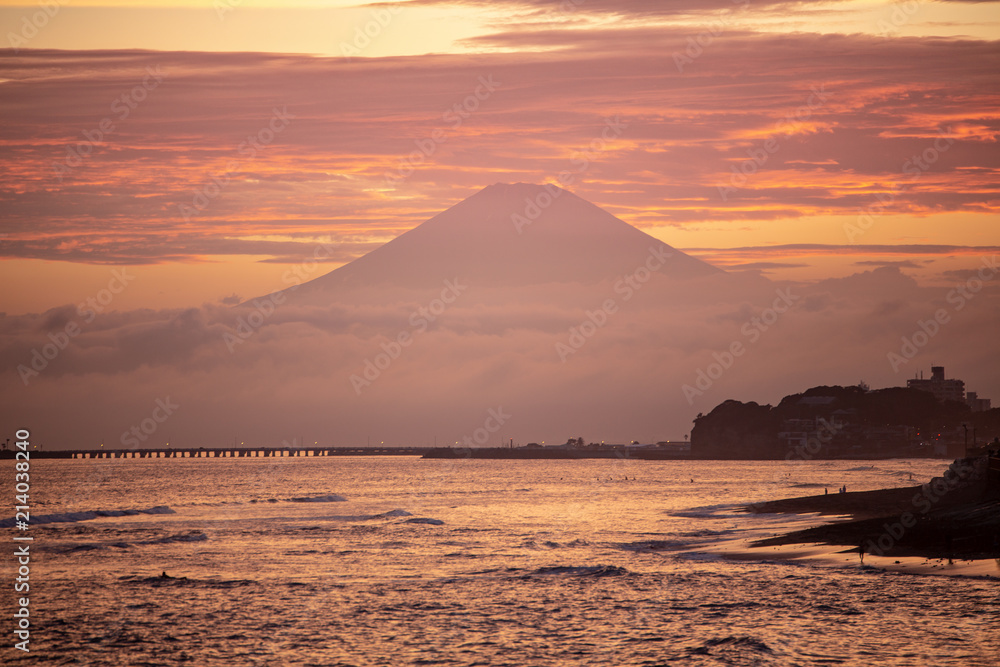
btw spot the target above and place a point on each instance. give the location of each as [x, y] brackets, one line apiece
[267, 373]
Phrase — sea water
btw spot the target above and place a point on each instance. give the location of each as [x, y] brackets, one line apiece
[400, 561]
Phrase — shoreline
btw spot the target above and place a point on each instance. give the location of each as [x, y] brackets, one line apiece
[952, 517]
[829, 555]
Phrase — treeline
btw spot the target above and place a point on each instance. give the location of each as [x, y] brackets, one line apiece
[870, 419]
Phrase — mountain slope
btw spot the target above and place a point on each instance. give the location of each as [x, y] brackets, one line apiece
[511, 235]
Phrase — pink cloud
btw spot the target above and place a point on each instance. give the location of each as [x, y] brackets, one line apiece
[355, 122]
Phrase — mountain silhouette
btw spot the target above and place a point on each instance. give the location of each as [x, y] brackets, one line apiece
[510, 235]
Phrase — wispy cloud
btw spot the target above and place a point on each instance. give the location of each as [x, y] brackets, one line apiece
[324, 174]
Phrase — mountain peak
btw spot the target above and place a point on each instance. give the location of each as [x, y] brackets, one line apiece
[513, 234]
[505, 187]
[503, 211]
[519, 189]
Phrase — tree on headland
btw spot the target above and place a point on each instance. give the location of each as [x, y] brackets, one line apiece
[881, 422]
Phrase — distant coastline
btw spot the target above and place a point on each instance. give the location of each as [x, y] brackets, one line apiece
[561, 452]
[633, 453]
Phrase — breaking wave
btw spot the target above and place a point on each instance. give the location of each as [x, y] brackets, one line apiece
[706, 512]
[729, 645]
[189, 536]
[583, 570]
[328, 498]
[71, 517]
[69, 548]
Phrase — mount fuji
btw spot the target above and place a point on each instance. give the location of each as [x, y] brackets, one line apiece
[525, 297]
[508, 236]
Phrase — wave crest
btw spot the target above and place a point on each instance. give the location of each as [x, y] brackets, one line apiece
[71, 517]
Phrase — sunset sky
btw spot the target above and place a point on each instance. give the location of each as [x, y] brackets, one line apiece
[207, 148]
[701, 88]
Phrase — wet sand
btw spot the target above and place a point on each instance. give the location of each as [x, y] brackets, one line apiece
[837, 556]
[947, 519]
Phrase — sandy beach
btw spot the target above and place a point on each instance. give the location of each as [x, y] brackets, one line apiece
[951, 525]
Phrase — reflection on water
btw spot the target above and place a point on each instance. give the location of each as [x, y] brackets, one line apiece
[388, 561]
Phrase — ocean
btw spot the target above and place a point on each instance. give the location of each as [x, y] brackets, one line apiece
[403, 561]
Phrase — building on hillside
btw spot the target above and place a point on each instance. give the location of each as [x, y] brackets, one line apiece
[943, 390]
[975, 403]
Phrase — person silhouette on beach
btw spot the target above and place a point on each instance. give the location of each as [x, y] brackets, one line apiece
[861, 552]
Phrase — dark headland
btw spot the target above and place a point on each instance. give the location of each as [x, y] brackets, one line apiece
[954, 516]
[824, 422]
